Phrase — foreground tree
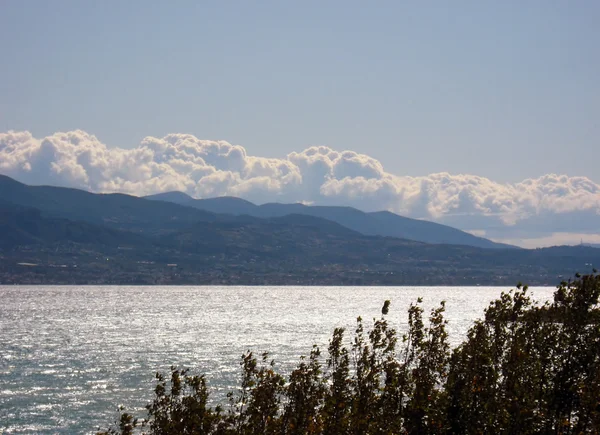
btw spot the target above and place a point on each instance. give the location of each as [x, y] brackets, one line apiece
[523, 369]
[529, 369]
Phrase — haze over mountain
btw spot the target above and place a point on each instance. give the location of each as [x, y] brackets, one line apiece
[374, 223]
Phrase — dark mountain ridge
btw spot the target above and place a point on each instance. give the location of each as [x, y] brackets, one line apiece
[66, 236]
[176, 210]
[276, 251]
[114, 210]
[26, 226]
[381, 223]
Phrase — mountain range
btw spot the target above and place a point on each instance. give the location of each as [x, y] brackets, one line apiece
[68, 236]
[382, 223]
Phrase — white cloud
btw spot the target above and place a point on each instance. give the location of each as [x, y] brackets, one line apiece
[316, 175]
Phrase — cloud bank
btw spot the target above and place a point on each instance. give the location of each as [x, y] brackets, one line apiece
[533, 208]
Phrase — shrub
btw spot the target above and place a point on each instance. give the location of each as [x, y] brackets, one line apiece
[523, 368]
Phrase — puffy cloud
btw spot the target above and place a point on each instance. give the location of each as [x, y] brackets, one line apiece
[317, 175]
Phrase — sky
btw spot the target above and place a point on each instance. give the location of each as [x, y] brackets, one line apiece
[492, 94]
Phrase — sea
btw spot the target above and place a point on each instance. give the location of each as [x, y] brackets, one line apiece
[70, 356]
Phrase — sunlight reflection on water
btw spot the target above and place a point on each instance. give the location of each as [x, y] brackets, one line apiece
[70, 355]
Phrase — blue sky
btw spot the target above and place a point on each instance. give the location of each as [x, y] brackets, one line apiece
[505, 90]
[458, 112]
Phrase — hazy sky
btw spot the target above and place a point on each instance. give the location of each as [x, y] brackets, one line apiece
[502, 89]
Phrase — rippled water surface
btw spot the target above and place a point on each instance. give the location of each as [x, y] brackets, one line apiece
[70, 355]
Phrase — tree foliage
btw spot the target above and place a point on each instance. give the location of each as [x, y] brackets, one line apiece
[523, 368]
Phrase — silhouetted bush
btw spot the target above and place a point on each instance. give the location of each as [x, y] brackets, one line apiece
[523, 369]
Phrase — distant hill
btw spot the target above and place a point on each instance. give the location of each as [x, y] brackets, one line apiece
[131, 213]
[77, 237]
[113, 210]
[276, 251]
[220, 205]
[291, 239]
[382, 223]
[26, 226]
